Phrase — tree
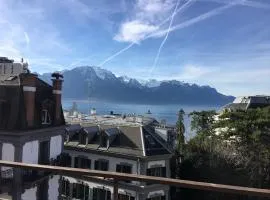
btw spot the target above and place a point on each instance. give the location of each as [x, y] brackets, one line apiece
[74, 107]
[180, 131]
[249, 132]
[232, 149]
[180, 141]
[202, 123]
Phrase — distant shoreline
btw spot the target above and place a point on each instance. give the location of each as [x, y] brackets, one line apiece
[135, 103]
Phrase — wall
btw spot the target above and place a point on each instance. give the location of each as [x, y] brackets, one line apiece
[7, 153]
[151, 190]
[30, 152]
[101, 185]
[30, 194]
[163, 133]
[53, 192]
[55, 146]
[113, 161]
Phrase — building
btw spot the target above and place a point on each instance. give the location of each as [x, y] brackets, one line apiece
[32, 124]
[246, 102]
[116, 144]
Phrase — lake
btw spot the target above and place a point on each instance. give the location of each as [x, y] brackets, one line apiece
[167, 112]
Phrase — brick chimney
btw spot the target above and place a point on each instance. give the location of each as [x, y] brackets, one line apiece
[29, 92]
[57, 80]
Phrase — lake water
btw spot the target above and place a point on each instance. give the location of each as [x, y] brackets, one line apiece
[167, 112]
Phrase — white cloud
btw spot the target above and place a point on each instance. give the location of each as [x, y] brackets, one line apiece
[145, 19]
[28, 33]
[134, 31]
[192, 72]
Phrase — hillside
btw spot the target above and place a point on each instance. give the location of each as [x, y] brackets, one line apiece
[82, 82]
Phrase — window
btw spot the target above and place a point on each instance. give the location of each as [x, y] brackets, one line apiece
[103, 142]
[102, 165]
[99, 193]
[125, 197]
[46, 119]
[123, 168]
[156, 198]
[80, 191]
[81, 162]
[65, 187]
[82, 138]
[157, 171]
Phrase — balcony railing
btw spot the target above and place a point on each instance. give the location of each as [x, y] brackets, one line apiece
[116, 177]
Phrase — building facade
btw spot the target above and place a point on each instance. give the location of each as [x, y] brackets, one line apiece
[247, 102]
[31, 119]
[126, 148]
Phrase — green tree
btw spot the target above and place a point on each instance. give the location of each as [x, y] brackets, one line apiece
[180, 132]
[248, 131]
[203, 124]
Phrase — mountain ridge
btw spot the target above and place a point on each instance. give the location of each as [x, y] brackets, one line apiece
[101, 84]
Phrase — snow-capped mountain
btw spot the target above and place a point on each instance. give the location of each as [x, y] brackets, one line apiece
[103, 73]
[98, 83]
[152, 83]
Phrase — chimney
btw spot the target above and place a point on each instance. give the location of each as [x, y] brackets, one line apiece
[57, 80]
[29, 92]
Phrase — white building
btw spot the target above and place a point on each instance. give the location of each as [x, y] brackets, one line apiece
[121, 146]
[32, 124]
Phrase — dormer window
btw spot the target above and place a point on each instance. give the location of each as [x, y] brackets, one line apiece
[103, 141]
[46, 119]
[108, 136]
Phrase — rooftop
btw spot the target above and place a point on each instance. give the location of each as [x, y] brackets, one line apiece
[246, 102]
[125, 138]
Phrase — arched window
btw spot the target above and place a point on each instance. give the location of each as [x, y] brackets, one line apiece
[45, 117]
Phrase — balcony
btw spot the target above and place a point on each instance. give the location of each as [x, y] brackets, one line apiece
[56, 182]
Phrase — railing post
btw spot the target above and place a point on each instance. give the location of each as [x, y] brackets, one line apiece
[115, 189]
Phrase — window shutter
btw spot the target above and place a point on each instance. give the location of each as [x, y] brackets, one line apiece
[91, 193]
[88, 164]
[103, 166]
[86, 192]
[95, 195]
[163, 172]
[68, 188]
[108, 195]
[128, 169]
[96, 165]
[76, 164]
[118, 168]
[148, 172]
[74, 190]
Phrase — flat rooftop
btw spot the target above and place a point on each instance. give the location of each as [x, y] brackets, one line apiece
[116, 120]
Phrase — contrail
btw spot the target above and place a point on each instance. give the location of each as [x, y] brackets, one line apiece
[165, 38]
[244, 3]
[116, 54]
[193, 20]
[182, 8]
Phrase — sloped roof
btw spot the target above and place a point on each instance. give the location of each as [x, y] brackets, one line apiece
[134, 141]
[236, 106]
[91, 132]
[12, 106]
[72, 129]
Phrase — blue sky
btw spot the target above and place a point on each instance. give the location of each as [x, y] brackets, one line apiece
[221, 43]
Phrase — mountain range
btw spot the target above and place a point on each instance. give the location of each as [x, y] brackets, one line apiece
[100, 84]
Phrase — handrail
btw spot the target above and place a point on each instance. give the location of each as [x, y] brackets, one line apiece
[133, 177]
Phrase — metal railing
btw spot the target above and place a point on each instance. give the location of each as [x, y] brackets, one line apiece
[75, 172]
